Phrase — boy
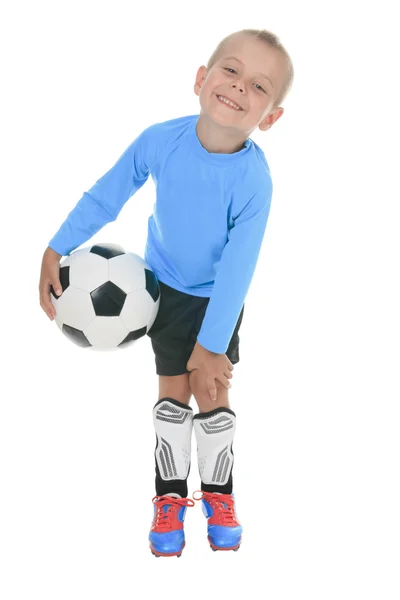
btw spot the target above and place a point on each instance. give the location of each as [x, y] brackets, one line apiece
[213, 198]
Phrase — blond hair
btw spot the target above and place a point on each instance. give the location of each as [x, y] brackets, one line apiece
[274, 42]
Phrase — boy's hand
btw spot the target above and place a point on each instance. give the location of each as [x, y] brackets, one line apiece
[49, 275]
[214, 366]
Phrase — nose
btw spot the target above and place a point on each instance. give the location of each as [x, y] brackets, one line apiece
[240, 87]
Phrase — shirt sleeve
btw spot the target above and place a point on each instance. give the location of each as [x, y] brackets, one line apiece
[235, 272]
[105, 199]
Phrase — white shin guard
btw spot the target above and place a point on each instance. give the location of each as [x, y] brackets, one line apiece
[214, 435]
[173, 423]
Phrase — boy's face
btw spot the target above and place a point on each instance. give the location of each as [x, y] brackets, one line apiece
[252, 81]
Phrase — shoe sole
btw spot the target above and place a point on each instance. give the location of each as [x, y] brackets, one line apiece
[158, 554]
[215, 548]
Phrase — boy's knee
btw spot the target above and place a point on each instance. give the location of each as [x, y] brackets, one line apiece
[176, 387]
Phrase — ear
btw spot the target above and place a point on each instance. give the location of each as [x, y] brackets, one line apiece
[200, 77]
[271, 119]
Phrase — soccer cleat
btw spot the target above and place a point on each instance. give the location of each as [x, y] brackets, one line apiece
[224, 530]
[167, 537]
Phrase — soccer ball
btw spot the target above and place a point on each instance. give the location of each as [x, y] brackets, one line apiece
[110, 297]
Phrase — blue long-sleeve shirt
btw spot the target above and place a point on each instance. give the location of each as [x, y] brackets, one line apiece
[208, 222]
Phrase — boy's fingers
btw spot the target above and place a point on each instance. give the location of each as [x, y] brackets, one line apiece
[47, 307]
[227, 384]
[49, 312]
[56, 292]
[45, 300]
[56, 285]
[57, 289]
[223, 379]
[212, 389]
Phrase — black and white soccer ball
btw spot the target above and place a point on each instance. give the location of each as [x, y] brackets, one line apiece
[110, 297]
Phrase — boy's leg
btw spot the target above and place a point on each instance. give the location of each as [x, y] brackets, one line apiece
[173, 423]
[214, 428]
[176, 387]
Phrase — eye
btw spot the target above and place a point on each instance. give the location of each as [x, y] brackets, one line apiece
[257, 84]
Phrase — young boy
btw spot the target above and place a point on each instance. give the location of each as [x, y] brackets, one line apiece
[214, 191]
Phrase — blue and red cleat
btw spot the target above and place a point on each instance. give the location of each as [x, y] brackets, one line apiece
[223, 528]
[167, 537]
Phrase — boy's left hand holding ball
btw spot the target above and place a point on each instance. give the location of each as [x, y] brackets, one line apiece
[49, 276]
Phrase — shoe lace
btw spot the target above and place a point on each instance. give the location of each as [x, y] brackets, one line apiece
[166, 507]
[223, 503]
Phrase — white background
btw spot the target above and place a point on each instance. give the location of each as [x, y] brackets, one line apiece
[316, 392]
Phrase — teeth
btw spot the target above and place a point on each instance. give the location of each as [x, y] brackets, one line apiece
[229, 102]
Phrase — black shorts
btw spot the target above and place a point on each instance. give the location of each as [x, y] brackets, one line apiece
[174, 332]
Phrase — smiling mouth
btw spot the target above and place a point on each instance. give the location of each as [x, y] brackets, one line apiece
[229, 103]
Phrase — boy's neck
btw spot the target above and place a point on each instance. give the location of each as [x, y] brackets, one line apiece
[218, 139]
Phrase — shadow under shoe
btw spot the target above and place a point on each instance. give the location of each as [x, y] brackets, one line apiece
[167, 537]
[223, 528]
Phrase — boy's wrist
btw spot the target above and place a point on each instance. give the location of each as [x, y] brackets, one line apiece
[50, 252]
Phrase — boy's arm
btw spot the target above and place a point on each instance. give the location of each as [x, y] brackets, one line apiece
[235, 272]
[105, 199]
